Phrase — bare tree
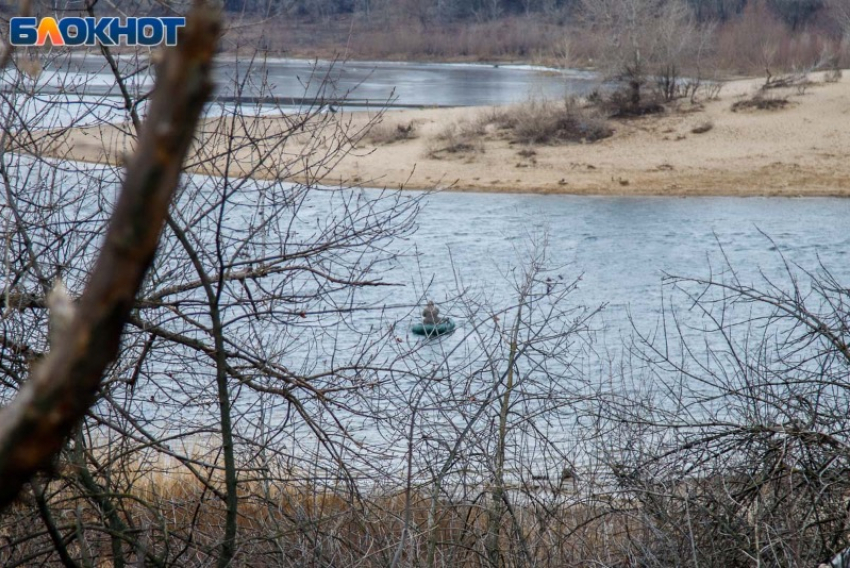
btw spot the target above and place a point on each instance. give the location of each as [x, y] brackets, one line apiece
[841, 12]
[733, 446]
[50, 404]
[246, 293]
[646, 39]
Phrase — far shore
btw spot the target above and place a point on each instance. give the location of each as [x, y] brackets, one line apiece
[707, 149]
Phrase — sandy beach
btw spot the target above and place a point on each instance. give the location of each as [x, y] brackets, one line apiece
[798, 150]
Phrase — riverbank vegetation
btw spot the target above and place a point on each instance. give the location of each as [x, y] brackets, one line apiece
[747, 34]
[654, 58]
[210, 365]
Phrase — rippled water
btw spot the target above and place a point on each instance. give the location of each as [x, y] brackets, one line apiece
[622, 247]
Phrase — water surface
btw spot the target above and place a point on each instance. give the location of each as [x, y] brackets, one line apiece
[622, 247]
[376, 83]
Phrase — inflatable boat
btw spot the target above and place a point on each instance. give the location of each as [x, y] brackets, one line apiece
[445, 327]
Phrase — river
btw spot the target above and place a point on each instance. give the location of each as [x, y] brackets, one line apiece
[623, 247]
[619, 248]
[374, 83]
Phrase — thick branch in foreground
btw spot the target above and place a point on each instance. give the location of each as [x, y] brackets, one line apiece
[34, 426]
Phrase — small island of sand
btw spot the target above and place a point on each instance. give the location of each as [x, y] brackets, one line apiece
[796, 148]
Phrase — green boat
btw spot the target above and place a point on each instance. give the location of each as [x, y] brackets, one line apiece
[445, 327]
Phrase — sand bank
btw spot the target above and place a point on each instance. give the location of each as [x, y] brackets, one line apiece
[800, 150]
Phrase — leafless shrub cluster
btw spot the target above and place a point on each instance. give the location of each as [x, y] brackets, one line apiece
[621, 103]
[703, 127]
[785, 81]
[740, 457]
[382, 134]
[549, 122]
[649, 43]
[833, 76]
[463, 137]
[760, 101]
[712, 90]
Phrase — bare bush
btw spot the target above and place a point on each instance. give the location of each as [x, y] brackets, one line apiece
[460, 138]
[760, 102]
[383, 133]
[703, 127]
[833, 76]
[549, 122]
[789, 80]
[739, 456]
[621, 103]
[650, 43]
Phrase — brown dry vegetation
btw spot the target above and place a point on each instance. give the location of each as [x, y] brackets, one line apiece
[633, 519]
[765, 484]
[742, 45]
[278, 525]
[550, 122]
[509, 39]
[383, 133]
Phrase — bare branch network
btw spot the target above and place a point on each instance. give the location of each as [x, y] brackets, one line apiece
[204, 357]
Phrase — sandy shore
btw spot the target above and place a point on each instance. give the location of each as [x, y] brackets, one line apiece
[800, 150]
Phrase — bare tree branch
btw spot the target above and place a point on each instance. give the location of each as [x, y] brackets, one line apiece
[62, 388]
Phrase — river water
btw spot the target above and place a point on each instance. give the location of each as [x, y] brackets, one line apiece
[619, 248]
[623, 247]
[377, 83]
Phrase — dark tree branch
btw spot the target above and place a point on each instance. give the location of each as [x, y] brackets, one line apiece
[36, 424]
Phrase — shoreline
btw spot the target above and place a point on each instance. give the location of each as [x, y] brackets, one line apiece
[795, 151]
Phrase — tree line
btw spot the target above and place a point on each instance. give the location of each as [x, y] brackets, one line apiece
[795, 13]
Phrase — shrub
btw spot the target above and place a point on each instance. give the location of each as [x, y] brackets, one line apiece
[832, 76]
[702, 128]
[458, 138]
[383, 133]
[760, 102]
[622, 104]
[549, 122]
[712, 90]
[786, 81]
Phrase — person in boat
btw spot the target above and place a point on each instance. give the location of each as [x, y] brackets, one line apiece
[431, 314]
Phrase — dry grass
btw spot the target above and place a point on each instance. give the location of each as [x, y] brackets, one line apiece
[549, 122]
[651, 523]
[703, 127]
[760, 102]
[382, 134]
[289, 518]
[464, 137]
[180, 523]
[532, 122]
